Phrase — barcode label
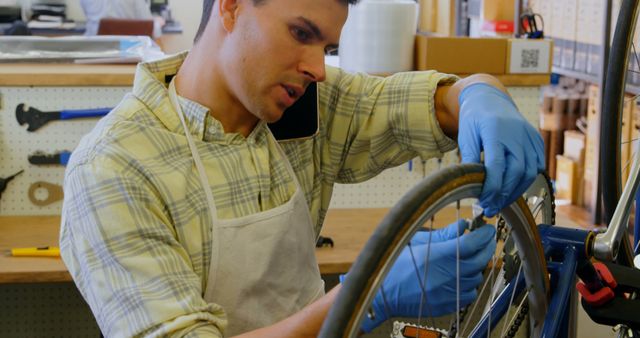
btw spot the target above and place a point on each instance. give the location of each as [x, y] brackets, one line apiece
[529, 58]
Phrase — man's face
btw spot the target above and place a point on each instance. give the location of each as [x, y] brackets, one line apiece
[275, 49]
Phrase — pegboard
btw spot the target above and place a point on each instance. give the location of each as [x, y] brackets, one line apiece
[45, 310]
[528, 101]
[16, 144]
[386, 189]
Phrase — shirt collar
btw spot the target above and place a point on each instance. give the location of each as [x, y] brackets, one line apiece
[150, 86]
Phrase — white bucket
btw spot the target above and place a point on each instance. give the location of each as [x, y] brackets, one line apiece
[379, 36]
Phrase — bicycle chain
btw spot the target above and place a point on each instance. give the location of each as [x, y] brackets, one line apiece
[520, 317]
[453, 330]
[552, 196]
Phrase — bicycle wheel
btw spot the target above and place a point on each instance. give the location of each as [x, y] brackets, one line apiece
[429, 204]
[622, 60]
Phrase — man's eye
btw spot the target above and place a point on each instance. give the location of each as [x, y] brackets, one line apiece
[300, 34]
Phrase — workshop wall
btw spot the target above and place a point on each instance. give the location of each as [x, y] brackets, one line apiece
[16, 144]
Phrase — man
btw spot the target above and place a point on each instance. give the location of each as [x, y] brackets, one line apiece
[183, 216]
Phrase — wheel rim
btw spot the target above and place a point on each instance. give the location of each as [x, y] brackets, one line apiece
[468, 186]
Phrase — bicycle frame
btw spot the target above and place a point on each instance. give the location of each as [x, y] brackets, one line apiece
[564, 248]
[607, 245]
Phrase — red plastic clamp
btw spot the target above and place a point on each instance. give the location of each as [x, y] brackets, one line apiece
[603, 295]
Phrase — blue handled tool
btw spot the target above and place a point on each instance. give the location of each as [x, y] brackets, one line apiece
[40, 158]
[35, 118]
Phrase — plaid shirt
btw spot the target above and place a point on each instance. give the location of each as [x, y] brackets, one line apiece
[136, 231]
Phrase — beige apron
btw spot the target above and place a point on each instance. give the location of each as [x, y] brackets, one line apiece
[263, 266]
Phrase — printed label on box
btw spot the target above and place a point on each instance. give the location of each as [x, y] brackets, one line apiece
[529, 56]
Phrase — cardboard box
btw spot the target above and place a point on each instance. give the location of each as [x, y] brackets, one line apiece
[558, 44]
[567, 179]
[428, 16]
[498, 10]
[574, 146]
[626, 133]
[583, 30]
[595, 16]
[461, 55]
[591, 192]
[446, 17]
[553, 27]
[574, 149]
[634, 147]
[527, 56]
[568, 34]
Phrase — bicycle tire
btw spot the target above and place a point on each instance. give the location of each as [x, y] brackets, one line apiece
[612, 105]
[399, 225]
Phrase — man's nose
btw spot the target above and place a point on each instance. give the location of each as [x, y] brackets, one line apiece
[312, 66]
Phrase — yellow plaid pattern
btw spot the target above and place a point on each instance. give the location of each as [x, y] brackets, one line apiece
[136, 233]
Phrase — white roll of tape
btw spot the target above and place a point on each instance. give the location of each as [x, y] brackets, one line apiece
[378, 36]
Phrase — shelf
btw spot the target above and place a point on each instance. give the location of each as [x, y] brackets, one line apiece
[576, 74]
[47, 74]
[631, 89]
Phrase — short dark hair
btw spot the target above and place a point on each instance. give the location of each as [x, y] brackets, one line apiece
[207, 7]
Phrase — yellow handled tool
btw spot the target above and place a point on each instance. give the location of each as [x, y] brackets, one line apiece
[45, 251]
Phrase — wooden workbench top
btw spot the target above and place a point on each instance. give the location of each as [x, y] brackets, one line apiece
[66, 75]
[349, 229]
[122, 75]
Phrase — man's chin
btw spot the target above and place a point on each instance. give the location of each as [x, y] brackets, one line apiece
[272, 116]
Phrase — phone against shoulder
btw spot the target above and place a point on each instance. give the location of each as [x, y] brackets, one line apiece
[301, 120]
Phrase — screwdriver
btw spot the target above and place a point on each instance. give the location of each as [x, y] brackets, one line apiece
[5, 181]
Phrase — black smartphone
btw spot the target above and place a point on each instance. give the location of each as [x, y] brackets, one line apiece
[301, 120]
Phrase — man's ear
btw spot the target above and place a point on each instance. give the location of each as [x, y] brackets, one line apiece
[228, 10]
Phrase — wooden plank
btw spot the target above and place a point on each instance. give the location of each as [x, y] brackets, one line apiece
[521, 80]
[66, 75]
[30, 231]
[350, 229]
[122, 75]
[513, 80]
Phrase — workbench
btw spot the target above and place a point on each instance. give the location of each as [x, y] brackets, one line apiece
[348, 228]
[40, 299]
[122, 75]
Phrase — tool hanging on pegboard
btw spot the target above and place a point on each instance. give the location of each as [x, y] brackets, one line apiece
[35, 118]
[41, 158]
[53, 193]
[5, 181]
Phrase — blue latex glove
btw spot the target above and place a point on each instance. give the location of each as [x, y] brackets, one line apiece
[513, 148]
[402, 290]
[440, 235]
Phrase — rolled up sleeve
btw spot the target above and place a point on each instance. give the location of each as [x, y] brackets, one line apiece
[373, 123]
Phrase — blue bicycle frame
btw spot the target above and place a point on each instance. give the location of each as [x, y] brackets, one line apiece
[564, 248]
